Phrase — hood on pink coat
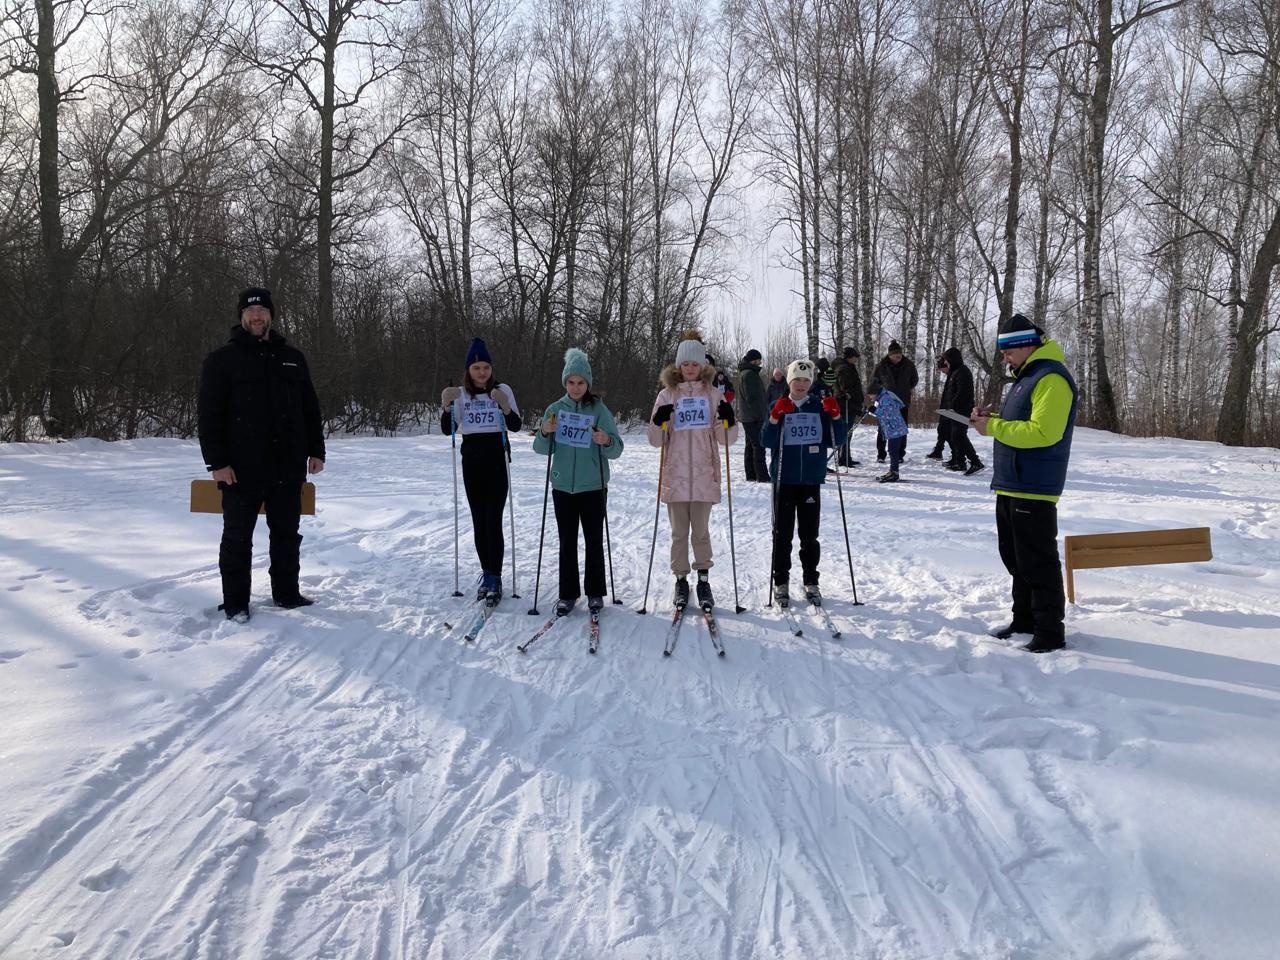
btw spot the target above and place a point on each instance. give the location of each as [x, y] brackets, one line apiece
[671, 378]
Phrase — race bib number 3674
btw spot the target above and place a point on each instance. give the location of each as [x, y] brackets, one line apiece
[692, 413]
[481, 415]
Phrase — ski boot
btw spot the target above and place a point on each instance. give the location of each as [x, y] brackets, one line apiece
[681, 596]
[813, 594]
[705, 600]
[563, 607]
[782, 593]
[595, 604]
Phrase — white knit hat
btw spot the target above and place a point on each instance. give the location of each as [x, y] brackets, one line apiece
[802, 369]
[691, 351]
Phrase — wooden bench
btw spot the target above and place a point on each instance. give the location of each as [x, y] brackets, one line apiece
[207, 498]
[1089, 551]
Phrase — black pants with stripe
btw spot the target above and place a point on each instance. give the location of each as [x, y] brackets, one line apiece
[802, 503]
[1028, 535]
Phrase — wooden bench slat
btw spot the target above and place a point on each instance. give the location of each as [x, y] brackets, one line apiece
[207, 498]
[1092, 551]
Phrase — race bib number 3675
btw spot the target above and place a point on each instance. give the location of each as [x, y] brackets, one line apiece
[802, 429]
[481, 415]
[692, 413]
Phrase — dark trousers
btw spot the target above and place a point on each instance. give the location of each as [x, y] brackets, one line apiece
[897, 447]
[848, 409]
[753, 453]
[486, 486]
[1028, 535]
[880, 444]
[585, 510]
[240, 505]
[961, 446]
[944, 436]
[803, 503]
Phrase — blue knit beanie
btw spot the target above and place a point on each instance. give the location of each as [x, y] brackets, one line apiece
[576, 364]
[1018, 331]
[477, 353]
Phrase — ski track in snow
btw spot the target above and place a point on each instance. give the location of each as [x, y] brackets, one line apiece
[353, 780]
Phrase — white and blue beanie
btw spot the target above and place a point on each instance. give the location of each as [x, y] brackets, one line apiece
[1019, 332]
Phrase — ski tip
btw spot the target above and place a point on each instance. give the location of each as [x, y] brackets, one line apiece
[837, 635]
[520, 647]
[666, 653]
[591, 650]
[722, 653]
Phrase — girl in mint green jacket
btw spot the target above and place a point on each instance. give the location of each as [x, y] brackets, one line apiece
[579, 434]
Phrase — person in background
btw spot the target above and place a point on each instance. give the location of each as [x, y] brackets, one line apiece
[897, 374]
[944, 433]
[752, 411]
[1032, 449]
[260, 435]
[958, 397]
[889, 410]
[849, 394]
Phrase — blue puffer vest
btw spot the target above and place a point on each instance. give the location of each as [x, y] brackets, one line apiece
[1041, 470]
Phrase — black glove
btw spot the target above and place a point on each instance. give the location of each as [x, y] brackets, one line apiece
[663, 414]
[725, 412]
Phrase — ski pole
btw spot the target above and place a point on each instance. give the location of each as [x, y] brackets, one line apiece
[604, 502]
[777, 487]
[453, 442]
[511, 502]
[847, 550]
[546, 489]
[657, 505]
[733, 556]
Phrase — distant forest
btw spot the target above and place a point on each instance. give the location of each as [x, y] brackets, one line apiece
[546, 173]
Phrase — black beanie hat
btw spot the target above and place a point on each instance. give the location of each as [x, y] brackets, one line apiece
[256, 297]
[894, 347]
[752, 355]
[1018, 331]
[851, 353]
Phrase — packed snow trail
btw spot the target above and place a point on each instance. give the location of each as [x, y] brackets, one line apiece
[354, 780]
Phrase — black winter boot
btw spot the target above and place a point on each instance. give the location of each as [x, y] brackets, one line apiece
[1040, 644]
[705, 600]
[1009, 629]
[681, 596]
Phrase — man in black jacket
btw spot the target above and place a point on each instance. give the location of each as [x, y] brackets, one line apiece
[850, 395]
[898, 374]
[260, 435]
[958, 396]
[752, 413]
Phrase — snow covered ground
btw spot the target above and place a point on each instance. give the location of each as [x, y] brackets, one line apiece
[353, 781]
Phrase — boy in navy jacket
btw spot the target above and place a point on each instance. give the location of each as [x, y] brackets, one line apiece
[800, 430]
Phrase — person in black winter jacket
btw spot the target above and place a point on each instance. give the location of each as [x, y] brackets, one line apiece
[850, 394]
[958, 396]
[897, 374]
[260, 435]
[483, 411]
[752, 412]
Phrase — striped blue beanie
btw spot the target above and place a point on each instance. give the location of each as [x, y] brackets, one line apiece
[1019, 332]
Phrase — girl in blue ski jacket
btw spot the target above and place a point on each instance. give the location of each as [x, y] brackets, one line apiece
[801, 429]
[890, 410]
[579, 434]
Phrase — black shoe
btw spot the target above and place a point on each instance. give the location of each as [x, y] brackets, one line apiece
[292, 603]
[1044, 644]
[855, 463]
[681, 597]
[890, 477]
[238, 614]
[954, 465]
[976, 467]
[705, 600]
[563, 607]
[881, 458]
[935, 455]
[595, 604]
[1009, 629]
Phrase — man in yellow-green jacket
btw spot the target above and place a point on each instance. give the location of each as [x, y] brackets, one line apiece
[1032, 436]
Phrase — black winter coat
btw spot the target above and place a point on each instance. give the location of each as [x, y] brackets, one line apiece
[849, 383]
[957, 392]
[774, 391]
[899, 377]
[258, 412]
[751, 394]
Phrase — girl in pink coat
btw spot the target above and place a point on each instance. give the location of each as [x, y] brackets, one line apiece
[688, 419]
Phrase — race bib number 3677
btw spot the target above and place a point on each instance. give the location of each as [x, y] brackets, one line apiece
[481, 415]
[573, 429]
[692, 413]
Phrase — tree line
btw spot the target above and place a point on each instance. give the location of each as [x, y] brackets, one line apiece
[406, 175]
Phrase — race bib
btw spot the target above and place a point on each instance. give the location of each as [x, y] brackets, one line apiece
[692, 413]
[481, 415]
[802, 429]
[574, 429]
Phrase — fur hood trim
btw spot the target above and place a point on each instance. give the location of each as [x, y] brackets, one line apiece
[671, 378]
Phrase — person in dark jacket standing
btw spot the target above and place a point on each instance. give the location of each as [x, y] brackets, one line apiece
[958, 397]
[897, 374]
[260, 435]
[944, 432]
[849, 394]
[483, 411]
[752, 411]
[1029, 470]
[802, 427]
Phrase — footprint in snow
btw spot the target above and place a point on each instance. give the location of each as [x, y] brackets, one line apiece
[132, 653]
[7, 655]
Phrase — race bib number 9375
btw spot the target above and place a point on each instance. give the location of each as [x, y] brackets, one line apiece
[802, 429]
